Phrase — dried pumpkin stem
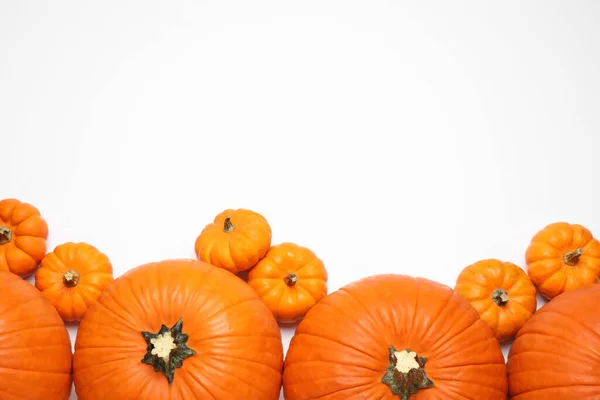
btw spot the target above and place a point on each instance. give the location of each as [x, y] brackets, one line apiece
[5, 235]
[227, 225]
[572, 257]
[405, 375]
[71, 278]
[500, 297]
[290, 279]
[167, 349]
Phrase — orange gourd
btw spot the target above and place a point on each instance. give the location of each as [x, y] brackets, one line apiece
[556, 354]
[502, 294]
[563, 257]
[391, 337]
[23, 234]
[290, 279]
[236, 240]
[178, 329]
[72, 277]
[35, 348]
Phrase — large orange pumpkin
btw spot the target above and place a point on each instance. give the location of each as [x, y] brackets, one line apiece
[556, 355]
[563, 257]
[394, 337]
[178, 329]
[35, 348]
[23, 234]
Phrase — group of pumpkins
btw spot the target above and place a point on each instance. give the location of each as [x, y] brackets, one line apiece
[193, 329]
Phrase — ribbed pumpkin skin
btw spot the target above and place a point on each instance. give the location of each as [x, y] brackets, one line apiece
[340, 349]
[35, 348]
[239, 353]
[556, 355]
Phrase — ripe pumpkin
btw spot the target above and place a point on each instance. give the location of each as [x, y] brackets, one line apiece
[502, 294]
[563, 257]
[236, 240]
[35, 347]
[555, 355]
[23, 234]
[394, 337]
[290, 279]
[72, 277]
[178, 329]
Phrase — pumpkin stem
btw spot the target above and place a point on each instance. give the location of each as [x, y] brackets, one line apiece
[71, 278]
[572, 257]
[405, 375]
[228, 226]
[5, 235]
[290, 279]
[167, 349]
[500, 297]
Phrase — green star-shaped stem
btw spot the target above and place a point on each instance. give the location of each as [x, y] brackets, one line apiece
[405, 384]
[178, 351]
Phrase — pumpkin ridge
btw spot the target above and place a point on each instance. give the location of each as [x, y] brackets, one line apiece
[343, 344]
[455, 341]
[366, 309]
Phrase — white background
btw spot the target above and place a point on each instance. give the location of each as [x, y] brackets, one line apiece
[387, 136]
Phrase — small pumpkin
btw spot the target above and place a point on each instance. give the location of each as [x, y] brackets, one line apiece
[178, 329]
[556, 353]
[502, 294]
[394, 337]
[290, 279]
[23, 235]
[35, 347]
[236, 240]
[562, 257]
[72, 277]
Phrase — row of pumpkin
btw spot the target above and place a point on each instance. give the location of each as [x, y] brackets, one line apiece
[189, 329]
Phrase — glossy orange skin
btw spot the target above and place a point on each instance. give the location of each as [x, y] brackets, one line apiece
[238, 250]
[239, 353]
[340, 349]
[556, 354]
[477, 283]
[95, 274]
[289, 303]
[29, 232]
[35, 347]
[544, 257]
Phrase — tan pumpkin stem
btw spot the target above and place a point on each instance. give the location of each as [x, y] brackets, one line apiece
[5, 235]
[405, 374]
[290, 279]
[500, 297]
[71, 278]
[228, 226]
[572, 257]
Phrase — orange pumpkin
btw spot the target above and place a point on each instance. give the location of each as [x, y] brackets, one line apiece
[236, 240]
[555, 355]
[178, 329]
[35, 347]
[391, 337]
[290, 279]
[23, 234]
[563, 257]
[72, 277]
[502, 294]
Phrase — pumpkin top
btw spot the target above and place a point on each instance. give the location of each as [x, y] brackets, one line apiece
[176, 323]
[394, 334]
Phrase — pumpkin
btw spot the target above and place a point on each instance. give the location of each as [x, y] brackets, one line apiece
[236, 240]
[555, 354]
[72, 277]
[23, 234]
[502, 294]
[562, 257]
[35, 347]
[290, 279]
[178, 329]
[394, 337]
